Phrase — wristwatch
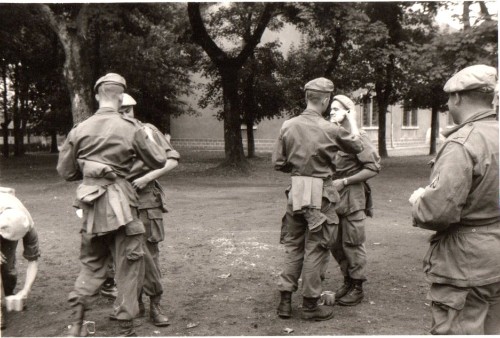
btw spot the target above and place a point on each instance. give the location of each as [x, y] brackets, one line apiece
[344, 181]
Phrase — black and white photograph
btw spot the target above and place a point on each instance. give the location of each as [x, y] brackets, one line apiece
[246, 168]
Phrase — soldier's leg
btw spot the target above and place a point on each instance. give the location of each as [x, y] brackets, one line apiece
[94, 253]
[129, 266]
[492, 321]
[152, 276]
[294, 251]
[458, 311]
[355, 258]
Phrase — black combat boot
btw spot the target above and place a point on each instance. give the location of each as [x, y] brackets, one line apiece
[345, 288]
[155, 312]
[78, 314]
[312, 311]
[285, 306]
[127, 328]
[355, 295]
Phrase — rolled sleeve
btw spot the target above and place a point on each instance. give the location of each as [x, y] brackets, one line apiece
[442, 202]
[149, 152]
[348, 142]
[30, 245]
[369, 157]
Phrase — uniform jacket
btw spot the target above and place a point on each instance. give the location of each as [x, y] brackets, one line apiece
[355, 197]
[461, 205]
[307, 145]
[107, 140]
[152, 196]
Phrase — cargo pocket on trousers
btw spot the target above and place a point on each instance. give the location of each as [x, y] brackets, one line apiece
[157, 233]
[447, 303]
[354, 228]
[134, 247]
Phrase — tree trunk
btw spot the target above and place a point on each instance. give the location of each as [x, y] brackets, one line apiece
[466, 15]
[250, 139]
[382, 146]
[53, 141]
[6, 120]
[77, 65]
[16, 118]
[233, 144]
[434, 130]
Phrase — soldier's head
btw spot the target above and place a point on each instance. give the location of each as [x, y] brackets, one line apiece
[127, 107]
[318, 94]
[341, 106]
[470, 91]
[109, 90]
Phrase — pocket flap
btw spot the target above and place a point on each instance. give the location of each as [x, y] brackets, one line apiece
[155, 213]
[448, 295]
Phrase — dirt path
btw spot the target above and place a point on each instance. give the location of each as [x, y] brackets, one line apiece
[226, 224]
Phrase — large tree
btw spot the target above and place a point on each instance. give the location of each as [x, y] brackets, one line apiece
[227, 64]
[445, 54]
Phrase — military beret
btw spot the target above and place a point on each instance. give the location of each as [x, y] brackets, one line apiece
[128, 100]
[477, 77]
[347, 102]
[111, 77]
[320, 85]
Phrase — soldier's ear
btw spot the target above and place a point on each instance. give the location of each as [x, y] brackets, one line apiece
[97, 97]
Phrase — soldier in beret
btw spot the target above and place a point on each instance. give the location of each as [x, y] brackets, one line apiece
[306, 147]
[101, 151]
[461, 206]
[152, 205]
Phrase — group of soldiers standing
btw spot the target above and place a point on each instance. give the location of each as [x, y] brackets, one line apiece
[329, 199]
[119, 160]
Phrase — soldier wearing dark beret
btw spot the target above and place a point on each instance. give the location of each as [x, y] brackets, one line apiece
[306, 147]
[101, 150]
[461, 206]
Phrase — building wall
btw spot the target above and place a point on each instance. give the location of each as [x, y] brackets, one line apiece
[204, 131]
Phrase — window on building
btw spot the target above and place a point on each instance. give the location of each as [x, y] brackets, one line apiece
[370, 112]
[410, 116]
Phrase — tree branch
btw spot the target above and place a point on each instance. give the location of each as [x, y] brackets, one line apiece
[201, 36]
[254, 39]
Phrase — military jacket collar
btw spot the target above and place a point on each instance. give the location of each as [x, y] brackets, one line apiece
[106, 110]
[473, 118]
[311, 112]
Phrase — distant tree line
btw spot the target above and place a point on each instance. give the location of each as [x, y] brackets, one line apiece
[51, 55]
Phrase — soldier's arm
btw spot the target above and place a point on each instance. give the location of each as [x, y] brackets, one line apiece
[369, 157]
[279, 155]
[348, 142]
[149, 152]
[442, 201]
[67, 166]
[172, 161]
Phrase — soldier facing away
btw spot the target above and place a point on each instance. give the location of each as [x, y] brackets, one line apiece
[306, 148]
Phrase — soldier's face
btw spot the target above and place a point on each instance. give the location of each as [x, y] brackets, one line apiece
[127, 111]
[338, 112]
[453, 100]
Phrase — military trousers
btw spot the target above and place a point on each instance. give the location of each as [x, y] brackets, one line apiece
[153, 220]
[349, 248]
[128, 255]
[465, 310]
[305, 252]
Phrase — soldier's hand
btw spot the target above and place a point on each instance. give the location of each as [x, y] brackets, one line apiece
[416, 194]
[338, 184]
[141, 182]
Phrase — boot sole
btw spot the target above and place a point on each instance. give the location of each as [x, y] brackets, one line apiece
[348, 304]
[284, 316]
[160, 324]
[319, 319]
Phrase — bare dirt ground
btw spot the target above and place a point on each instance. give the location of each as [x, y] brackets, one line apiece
[223, 223]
